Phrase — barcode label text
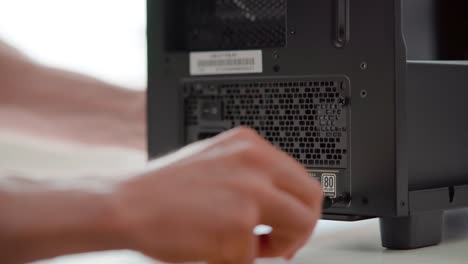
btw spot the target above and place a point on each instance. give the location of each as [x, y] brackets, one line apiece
[226, 62]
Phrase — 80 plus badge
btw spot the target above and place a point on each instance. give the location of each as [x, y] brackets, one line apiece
[328, 181]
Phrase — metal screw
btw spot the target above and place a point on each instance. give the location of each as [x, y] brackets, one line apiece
[344, 198]
[342, 101]
[275, 55]
[292, 30]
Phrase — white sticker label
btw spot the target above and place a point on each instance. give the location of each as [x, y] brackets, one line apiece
[226, 62]
[329, 184]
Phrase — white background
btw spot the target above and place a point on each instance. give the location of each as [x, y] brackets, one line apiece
[102, 38]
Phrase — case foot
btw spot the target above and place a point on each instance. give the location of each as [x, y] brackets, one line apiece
[412, 232]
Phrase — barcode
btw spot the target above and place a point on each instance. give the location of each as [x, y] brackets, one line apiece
[226, 62]
[230, 62]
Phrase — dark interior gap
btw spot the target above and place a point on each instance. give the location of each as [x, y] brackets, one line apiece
[451, 194]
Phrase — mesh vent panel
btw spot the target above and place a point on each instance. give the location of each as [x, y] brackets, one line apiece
[236, 24]
[307, 119]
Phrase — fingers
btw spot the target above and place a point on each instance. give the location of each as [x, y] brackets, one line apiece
[285, 172]
[290, 255]
[292, 223]
[242, 251]
[235, 241]
[293, 207]
[291, 204]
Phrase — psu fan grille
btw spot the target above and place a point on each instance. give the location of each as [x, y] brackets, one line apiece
[308, 119]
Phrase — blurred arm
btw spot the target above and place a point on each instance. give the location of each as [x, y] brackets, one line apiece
[199, 204]
[44, 220]
[50, 102]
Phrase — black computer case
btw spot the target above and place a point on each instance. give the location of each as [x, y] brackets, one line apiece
[330, 83]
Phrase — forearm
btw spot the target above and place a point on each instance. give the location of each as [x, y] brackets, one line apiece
[38, 222]
[52, 102]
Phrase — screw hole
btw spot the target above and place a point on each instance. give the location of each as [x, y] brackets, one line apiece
[292, 30]
[365, 201]
[364, 94]
[276, 68]
[364, 65]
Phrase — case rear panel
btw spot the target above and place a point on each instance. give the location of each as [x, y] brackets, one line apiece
[319, 83]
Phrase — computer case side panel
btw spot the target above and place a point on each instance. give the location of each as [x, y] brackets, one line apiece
[437, 94]
[420, 18]
[436, 146]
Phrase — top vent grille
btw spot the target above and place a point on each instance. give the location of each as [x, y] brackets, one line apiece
[236, 24]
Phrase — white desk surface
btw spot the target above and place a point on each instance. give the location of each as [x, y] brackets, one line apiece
[333, 242]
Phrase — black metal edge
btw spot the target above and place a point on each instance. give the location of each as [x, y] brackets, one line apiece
[152, 7]
[440, 199]
[345, 218]
[401, 131]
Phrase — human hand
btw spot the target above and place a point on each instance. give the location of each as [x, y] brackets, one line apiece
[203, 202]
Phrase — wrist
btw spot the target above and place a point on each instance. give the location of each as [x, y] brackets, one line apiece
[109, 223]
[127, 112]
[46, 224]
[137, 118]
[118, 214]
[132, 214]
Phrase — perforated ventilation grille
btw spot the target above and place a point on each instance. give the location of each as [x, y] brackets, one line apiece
[307, 119]
[236, 24]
